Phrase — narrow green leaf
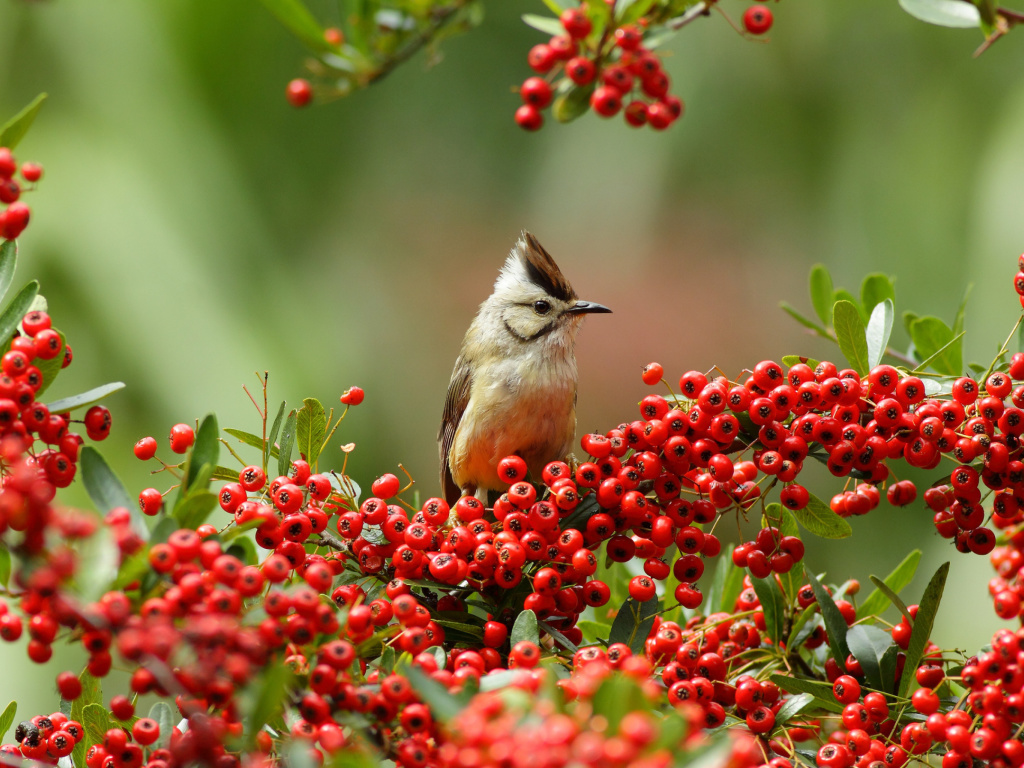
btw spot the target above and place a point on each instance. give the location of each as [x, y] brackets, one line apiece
[713, 594]
[616, 696]
[96, 722]
[5, 564]
[545, 24]
[868, 645]
[732, 587]
[802, 627]
[387, 659]
[629, 11]
[936, 356]
[593, 631]
[851, 335]
[163, 715]
[835, 624]
[578, 518]
[821, 691]
[936, 344]
[7, 718]
[558, 637]
[250, 439]
[821, 292]
[133, 568]
[442, 704]
[818, 518]
[842, 294]
[284, 456]
[301, 23]
[272, 437]
[893, 598]
[804, 321]
[772, 605]
[900, 577]
[15, 311]
[224, 473]
[875, 289]
[525, 628]
[878, 331]
[195, 508]
[922, 630]
[106, 491]
[204, 453]
[943, 13]
[571, 102]
[793, 707]
[91, 694]
[98, 558]
[555, 7]
[8, 262]
[14, 130]
[310, 429]
[633, 623]
[269, 701]
[85, 399]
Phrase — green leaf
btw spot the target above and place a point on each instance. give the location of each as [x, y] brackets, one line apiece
[713, 594]
[106, 491]
[790, 360]
[162, 713]
[936, 344]
[868, 645]
[842, 294]
[900, 577]
[939, 353]
[773, 606]
[11, 317]
[545, 24]
[525, 628]
[732, 587]
[301, 23]
[275, 681]
[311, 428]
[802, 626]
[8, 262]
[98, 558]
[793, 707]
[875, 289]
[205, 452]
[922, 630]
[284, 456]
[593, 631]
[851, 335]
[133, 568]
[224, 473]
[5, 564]
[944, 13]
[818, 518]
[821, 292]
[578, 518]
[14, 130]
[250, 439]
[878, 331]
[555, 7]
[442, 704]
[633, 623]
[558, 637]
[85, 399]
[822, 692]
[908, 320]
[96, 722]
[617, 695]
[195, 508]
[804, 321]
[835, 624]
[272, 437]
[629, 11]
[7, 718]
[91, 694]
[571, 101]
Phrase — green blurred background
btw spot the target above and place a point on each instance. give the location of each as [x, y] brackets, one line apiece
[192, 228]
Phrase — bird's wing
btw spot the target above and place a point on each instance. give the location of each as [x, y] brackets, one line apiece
[454, 406]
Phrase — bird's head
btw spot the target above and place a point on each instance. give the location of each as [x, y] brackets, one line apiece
[533, 299]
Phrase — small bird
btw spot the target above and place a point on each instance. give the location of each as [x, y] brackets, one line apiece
[513, 390]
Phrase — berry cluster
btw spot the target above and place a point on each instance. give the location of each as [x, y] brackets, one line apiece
[14, 217]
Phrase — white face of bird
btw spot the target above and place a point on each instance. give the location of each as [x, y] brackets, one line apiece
[533, 297]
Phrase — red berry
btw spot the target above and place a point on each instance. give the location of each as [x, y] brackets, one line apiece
[385, 486]
[10, 190]
[659, 116]
[628, 38]
[580, 70]
[14, 220]
[7, 163]
[150, 501]
[529, 118]
[146, 731]
[145, 449]
[757, 19]
[352, 396]
[541, 58]
[536, 92]
[182, 438]
[31, 171]
[576, 23]
[636, 113]
[652, 372]
[69, 686]
[299, 92]
[606, 101]
[122, 708]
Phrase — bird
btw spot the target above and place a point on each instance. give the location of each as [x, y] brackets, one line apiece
[513, 388]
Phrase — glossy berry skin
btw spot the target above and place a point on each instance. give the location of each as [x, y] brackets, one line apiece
[529, 118]
[606, 101]
[352, 396]
[299, 92]
[757, 19]
[145, 449]
[182, 438]
[576, 23]
[31, 171]
[536, 92]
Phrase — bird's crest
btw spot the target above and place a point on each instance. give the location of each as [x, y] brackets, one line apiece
[536, 264]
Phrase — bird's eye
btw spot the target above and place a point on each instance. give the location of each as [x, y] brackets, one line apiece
[541, 307]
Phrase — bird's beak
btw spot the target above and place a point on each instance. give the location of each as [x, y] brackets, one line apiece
[587, 307]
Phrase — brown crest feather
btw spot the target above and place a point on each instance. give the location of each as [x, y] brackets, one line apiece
[543, 271]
